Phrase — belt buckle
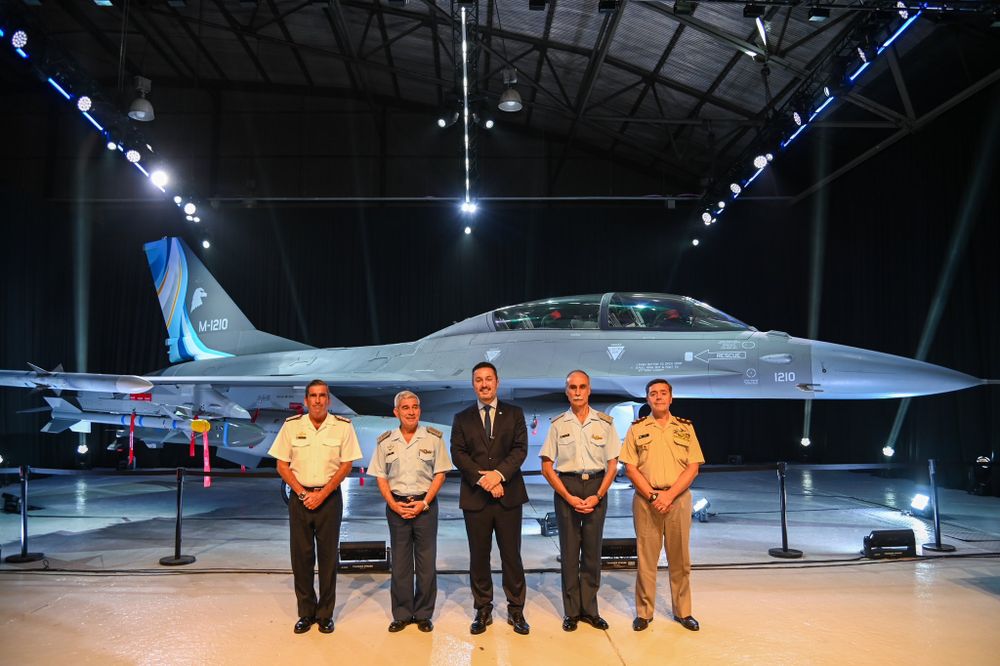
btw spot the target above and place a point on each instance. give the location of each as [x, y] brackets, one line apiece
[409, 499]
[585, 476]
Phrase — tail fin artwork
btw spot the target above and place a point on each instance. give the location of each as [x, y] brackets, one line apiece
[202, 320]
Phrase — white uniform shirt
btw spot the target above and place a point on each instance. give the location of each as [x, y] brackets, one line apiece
[314, 454]
[581, 447]
[409, 466]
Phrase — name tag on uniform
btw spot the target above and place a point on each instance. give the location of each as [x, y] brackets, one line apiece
[642, 436]
[426, 451]
[565, 435]
[300, 436]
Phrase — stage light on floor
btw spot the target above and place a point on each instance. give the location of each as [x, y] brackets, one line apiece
[160, 178]
[133, 156]
[889, 543]
[700, 509]
[920, 502]
[888, 451]
[190, 208]
[84, 103]
[468, 230]
[82, 449]
[206, 244]
[805, 442]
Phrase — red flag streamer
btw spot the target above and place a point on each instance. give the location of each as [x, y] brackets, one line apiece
[191, 448]
[362, 481]
[204, 455]
[243, 469]
[131, 439]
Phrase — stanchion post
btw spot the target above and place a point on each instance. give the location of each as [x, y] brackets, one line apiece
[24, 555]
[936, 546]
[178, 559]
[784, 552]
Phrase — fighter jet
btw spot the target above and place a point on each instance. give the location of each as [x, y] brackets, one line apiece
[245, 382]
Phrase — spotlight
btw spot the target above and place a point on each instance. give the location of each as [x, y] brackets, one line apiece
[489, 123]
[112, 145]
[1, 458]
[448, 121]
[205, 244]
[141, 109]
[751, 10]
[826, 91]
[769, 157]
[760, 161]
[189, 218]
[196, 219]
[684, 7]
[132, 156]
[797, 118]
[888, 451]
[735, 188]
[177, 200]
[19, 39]
[921, 505]
[721, 204]
[706, 217]
[82, 449]
[442, 123]
[510, 99]
[805, 442]
[903, 13]
[696, 242]
[190, 208]
[862, 54]
[700, 509]
[468, 230]
[761, 31]
[818, 14]
[160, 178]
[469, 207]
[84, 104]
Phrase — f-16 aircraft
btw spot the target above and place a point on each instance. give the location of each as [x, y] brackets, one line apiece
[245, 382]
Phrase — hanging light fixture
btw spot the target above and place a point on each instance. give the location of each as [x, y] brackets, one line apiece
[510, 99]
[141, 109]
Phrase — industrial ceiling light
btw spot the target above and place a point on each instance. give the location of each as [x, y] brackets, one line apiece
[752, 10]
[510, 99]
[818, 14]
[141, 109]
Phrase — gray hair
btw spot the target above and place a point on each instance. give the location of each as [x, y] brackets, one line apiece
[403, 395]
[573, 372]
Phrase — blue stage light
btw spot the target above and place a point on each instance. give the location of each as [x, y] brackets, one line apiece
[857, 73]
[141, 170]
[754, 177]
[93, 122]
[899, 31]
[58, 87]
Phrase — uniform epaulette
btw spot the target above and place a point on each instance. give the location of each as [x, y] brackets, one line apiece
[293, 418]
[640, 419]
[383, 436]
[555, 418]
[684, 421]
[341, 418]
[435, 432]
[604, 417]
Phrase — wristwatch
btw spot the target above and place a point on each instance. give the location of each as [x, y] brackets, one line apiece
[302, 496]
[652, 497]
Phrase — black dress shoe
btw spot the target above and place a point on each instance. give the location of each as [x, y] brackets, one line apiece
[515, 618]
[688, 622]
[303, 625]
[640, 623]
[596, 621]
[483, 620]
[325, 625]
[569, 623]
[397, 625]
[425, 625]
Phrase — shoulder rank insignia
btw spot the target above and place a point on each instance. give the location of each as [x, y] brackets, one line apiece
[555, 418]
[640, 420]
[684, 421]
[435, 432]
[383, 436]
[604, 417]
[341, 418]
[293, 418]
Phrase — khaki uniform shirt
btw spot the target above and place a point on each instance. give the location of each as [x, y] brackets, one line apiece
[661, 453]
[315, 454]
[409, 466]
[581, 447]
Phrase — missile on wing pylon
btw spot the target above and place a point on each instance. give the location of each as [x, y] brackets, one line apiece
[74, 381]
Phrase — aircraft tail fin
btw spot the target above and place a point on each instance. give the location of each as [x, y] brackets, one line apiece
[202, 321]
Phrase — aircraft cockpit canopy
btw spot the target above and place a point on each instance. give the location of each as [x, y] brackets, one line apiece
[617, 310]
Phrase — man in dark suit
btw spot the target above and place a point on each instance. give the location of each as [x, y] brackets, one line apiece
[489, 442]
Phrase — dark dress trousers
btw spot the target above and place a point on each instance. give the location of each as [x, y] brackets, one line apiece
[484, 515]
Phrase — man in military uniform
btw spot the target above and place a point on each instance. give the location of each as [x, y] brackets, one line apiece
[314, 453]
[662, 456]
[579, 460]
[410, 463]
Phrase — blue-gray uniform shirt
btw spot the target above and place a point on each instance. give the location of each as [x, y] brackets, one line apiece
[409, 466]
[581, 447]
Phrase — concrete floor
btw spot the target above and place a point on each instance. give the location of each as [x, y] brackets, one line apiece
[100, 595]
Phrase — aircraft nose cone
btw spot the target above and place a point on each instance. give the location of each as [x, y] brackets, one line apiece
[848, 372]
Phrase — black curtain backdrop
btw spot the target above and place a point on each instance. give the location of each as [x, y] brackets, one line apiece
[353, 275]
